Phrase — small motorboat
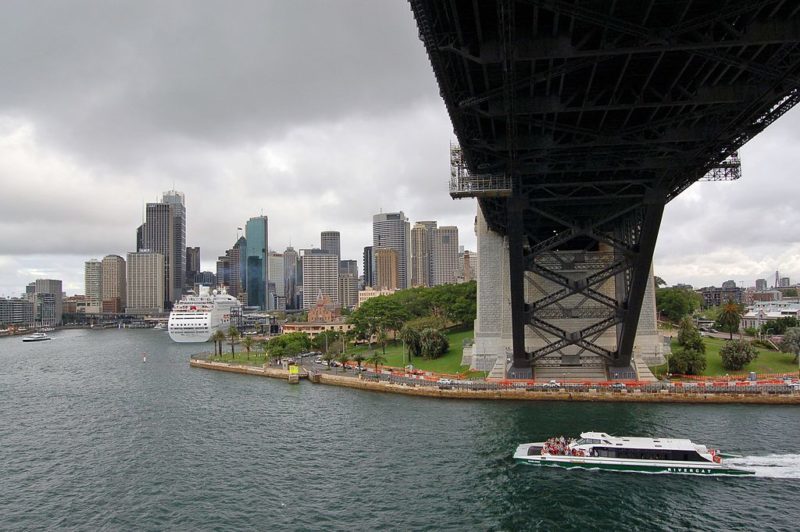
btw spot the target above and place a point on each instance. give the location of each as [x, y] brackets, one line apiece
[36, 337]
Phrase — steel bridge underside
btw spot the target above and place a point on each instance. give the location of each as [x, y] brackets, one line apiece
[598, 113]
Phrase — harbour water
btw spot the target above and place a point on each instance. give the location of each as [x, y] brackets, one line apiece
[93, 437]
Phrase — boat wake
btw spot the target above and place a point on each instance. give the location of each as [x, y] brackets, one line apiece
[769, 466]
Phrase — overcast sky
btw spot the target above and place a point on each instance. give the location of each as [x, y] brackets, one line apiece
[318, 114]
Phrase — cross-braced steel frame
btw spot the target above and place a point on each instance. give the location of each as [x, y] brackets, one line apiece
[593, 115]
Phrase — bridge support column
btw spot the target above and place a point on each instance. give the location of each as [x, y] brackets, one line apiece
[516, 270]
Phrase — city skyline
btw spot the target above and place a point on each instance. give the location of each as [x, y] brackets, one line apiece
[85, 150]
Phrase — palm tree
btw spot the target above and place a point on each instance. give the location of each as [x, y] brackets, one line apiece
[218, 338]
[359, 358]
[730, 316]
[233, 338]
[327, 357]
[247, 343]
[343, 358]
[376, 358]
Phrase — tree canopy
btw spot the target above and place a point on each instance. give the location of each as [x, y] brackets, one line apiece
[736, 354]
[676, 302]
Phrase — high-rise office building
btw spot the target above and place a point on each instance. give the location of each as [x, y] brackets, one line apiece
[444, 255]
[177, 201]
[421, 247]
[257, 233]
[761, 285]
[468, 266]
[348, 266]
[140, 237]
[159, 236]
[290, 266]
[164, 232]
[16, 311]
[784, 282]
[223, 273]
[330, 241]
[93, 282]
[391, 231]
[115, 285]
[145, 275]
[48, 300]
[369, 267]
[236, 267]
[348, 290]
[387, 270]
[320, 276]
[192, 267]
[277, 280]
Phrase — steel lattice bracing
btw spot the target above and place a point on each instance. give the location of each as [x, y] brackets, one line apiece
[597, 113]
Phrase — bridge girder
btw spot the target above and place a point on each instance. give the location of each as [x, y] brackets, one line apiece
[598, 113]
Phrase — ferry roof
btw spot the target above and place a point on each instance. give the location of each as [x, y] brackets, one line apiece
[642, 443]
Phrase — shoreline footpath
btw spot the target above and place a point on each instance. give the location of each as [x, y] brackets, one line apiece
[508, 394]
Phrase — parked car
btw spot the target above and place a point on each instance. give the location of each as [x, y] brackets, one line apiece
[552, 384]
[445, 384]
[618, 386]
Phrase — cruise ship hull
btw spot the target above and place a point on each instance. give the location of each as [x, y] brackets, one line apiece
[196, 318]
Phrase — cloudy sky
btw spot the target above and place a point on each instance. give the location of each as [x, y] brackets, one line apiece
[318, 114]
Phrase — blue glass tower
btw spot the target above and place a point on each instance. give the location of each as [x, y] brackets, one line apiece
[256, 232]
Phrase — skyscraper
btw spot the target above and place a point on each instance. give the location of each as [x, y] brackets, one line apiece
[290, 266]
[387, 269]
[177, 201]
[164, 232]
[277, 280]
[93, 282]
[236, 265]
[391, 231]
[48, 299]
[348, 290]
[330, 241]
[145, 283]
[369, 267]
[348, 266]
[257, 231]
[444, 255]
[192, 266]
[320, 275]
[114, 284]
[421, 247]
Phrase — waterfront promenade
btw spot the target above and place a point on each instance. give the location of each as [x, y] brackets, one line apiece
[522, 391]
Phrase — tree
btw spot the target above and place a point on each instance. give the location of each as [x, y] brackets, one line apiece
[383, 337]
[324, 340]
[359, 358]
[736, 354]
[779, 326]
[219, 338]
[233, 337]
[410, 337]
[247, 343]
[729, 317]
[687, 361]
[376, 358]
[791, 292]
[328, 357]
[791, 342]
[433, 343]
[689, 337]
[675, 303]
[277, 352]
[343, 358]
[659, 281]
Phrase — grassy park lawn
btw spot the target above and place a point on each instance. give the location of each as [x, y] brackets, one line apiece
[449, 363]
[241, 357]
[767, 361]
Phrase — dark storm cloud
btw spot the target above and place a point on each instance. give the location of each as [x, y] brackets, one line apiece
[117, 80]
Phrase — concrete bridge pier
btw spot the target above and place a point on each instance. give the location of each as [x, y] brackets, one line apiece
[493, 346]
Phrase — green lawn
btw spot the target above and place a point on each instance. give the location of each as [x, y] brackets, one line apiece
[241, 357]
[449, 363]
[767, 361]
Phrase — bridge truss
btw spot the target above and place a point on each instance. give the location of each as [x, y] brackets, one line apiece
[578, 120]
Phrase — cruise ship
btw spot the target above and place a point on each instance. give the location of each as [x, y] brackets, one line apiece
[598, 450]
[196, 317]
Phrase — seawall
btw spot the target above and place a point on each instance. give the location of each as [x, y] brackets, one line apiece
[630, 396]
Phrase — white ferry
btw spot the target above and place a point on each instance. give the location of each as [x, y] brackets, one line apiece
[196, 317]
[36, 337]
[598, 450]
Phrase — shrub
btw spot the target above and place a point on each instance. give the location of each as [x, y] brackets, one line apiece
[687, 361]
[433, 343]
[736, 354]
[750, 331]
